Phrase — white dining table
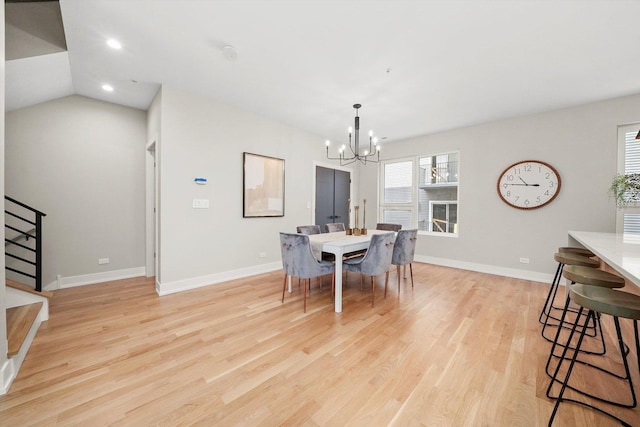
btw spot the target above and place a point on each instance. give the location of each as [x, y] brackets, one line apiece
[338, 244]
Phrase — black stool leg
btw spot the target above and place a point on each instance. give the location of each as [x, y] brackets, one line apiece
[565, 348]
[560, 325]
[552, 291]
[565, 384]
[573, 361]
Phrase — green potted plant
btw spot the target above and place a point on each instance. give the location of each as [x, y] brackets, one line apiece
[625, 188]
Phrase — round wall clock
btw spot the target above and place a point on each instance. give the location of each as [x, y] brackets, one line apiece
[529, 184]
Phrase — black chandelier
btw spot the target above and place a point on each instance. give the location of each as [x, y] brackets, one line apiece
[370, 155]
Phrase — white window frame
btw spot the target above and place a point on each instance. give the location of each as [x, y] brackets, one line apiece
[413, 206]
[635, 209]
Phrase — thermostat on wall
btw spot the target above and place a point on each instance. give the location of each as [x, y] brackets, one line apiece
[201, 181]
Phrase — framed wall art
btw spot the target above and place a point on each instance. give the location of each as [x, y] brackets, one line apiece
[263, 186]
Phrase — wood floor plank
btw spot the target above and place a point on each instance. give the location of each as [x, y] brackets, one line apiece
[458, 349]
[19, 322]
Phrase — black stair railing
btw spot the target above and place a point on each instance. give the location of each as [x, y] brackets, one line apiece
[26, 224]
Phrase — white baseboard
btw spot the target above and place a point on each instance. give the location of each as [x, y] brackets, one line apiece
[486, 268]
[212, 279]
[7, 375]
[89, 279]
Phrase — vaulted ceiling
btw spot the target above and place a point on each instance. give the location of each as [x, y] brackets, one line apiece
[416, 67]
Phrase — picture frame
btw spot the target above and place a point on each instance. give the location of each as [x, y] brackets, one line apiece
[263, 186]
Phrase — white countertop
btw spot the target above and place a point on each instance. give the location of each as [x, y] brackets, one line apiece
[620, 251]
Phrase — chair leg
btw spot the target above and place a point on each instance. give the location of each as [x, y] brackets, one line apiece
[284, 286]
[373, 290]
[411, 272]
[386, 282]
[398, 270]
[305, 295]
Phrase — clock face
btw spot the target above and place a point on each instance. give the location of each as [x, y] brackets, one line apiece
[529, 184]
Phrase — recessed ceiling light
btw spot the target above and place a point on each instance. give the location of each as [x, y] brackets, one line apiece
[107, 88]
[114, 44]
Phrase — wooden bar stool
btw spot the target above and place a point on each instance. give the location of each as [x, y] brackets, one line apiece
[592, 277]
[562, 258]
[618, 304]
[577, 251]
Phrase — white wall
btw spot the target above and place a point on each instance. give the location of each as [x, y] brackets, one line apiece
[203, 138]
[81, 161]
[580, 142]
[5, 375]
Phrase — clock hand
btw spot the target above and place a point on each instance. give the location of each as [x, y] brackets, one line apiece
[526, 185]
[522, 180]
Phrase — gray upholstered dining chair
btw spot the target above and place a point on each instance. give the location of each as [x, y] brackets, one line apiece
[298, 261]
[388, 227]
[334, 227]
[376, 261]
[308, 229]
[403, 252]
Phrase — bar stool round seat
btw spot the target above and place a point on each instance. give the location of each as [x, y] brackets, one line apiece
[569, 258]
[599, 300]
[578, 251]
[606, 301]
[593, 277]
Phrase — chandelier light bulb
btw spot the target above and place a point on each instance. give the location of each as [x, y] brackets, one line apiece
[327, 142]
[350, 130]
[366, 152]
[370, 133]
[377, 148]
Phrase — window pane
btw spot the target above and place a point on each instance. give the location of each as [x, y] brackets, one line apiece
[442, 169]
[398, 182]
[631, 153]
[632, 223]
[397, 217]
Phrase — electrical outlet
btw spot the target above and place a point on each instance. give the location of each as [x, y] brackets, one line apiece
[262, 254]
[103, 260]
[524, 260]
[201, 203]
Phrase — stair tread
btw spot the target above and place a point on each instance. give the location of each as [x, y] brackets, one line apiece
[19, 322]
[27, 288]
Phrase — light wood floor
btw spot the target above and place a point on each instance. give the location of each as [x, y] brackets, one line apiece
[460, 349]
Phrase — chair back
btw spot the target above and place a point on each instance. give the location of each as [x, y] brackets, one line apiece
[298, 259]
[377, 260]
[389, 227]
[405, 247]
[334, 227]
[308, 229]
